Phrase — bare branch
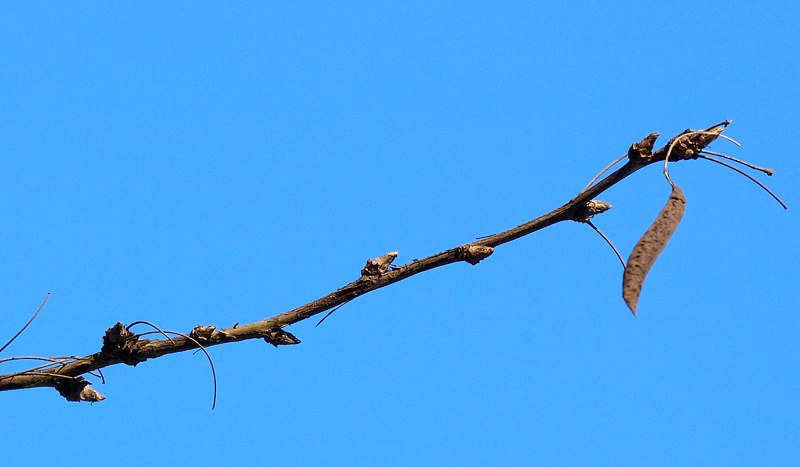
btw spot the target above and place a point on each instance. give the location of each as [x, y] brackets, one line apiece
[121, 346]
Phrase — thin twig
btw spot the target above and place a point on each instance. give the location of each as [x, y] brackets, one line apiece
[36, 373]
[752, 179]
[331, 312]
[128, 328]
[608, 240]
[52, 360]
[99, 375]
[210, 362]
[608, 167]
[666, 159]
[730, 139]
[61, 361]
[193, 340]
[53, 364]
[47, 297]
[724, 124]
[769, 172]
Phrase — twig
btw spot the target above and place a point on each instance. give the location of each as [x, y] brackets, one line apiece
[201, 348]
[52, 360]
[752, 179]
[608, 167]
[730, 139]
[47, 297]
[128, 327]
[769, 172]
[331, 312]
[210, 362]
[616, 252]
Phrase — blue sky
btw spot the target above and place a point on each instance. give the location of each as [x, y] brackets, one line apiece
[221, 162]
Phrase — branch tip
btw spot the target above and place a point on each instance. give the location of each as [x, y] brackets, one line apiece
[724, 124]
[77, 389]
[643, 150]
[277, 336]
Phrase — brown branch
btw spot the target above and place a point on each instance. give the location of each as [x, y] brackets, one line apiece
[122, 346]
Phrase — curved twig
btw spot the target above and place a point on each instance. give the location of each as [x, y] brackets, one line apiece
[767, 171]
[202, 347]
[46, 298]
[608, 240]
[606, 169]
[98, 375]
[128, 327]
[752, 179]
[331, 312]
[52, 360]
[730, 139]
[36, 373]
[672, 146]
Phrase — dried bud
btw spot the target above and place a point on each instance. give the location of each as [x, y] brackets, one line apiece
[277, 336]
[474, 254]
[378, 266]
[592, 208]
[643, 150]
[88, 394]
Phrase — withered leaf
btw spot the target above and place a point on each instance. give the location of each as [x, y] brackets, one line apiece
[651, 245]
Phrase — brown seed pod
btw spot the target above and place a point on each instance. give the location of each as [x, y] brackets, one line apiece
[651, 245]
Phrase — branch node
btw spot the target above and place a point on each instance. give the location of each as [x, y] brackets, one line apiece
[688, 144]
[122, 344]
[378, 266]
[643, 150]
[277, 336]
[202, 333]
[592, 208]
[474, 254]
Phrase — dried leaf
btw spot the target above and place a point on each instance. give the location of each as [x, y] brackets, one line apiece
[651, 245]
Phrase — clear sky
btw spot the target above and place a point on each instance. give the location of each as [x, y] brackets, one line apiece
[222, 162]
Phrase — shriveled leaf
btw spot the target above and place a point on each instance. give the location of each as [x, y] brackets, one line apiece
[651, 245]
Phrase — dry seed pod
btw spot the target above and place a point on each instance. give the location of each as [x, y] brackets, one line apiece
[651, 245]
